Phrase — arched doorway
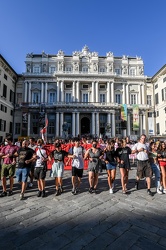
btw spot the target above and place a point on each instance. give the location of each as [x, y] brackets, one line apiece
[85, 125]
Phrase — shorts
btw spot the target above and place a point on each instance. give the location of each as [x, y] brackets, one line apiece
[22, 174]
[110, 166]
[32, 168]
[77, 172]
[144, 169]
[40, 173]
[8, 170]
[57, 169]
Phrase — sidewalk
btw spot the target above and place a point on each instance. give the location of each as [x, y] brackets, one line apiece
[84, 221]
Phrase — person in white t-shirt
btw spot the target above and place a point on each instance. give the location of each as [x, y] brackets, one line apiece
[77, 165]
[143, 166]
[40, 167]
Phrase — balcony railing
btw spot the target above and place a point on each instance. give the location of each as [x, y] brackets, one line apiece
[78, 104]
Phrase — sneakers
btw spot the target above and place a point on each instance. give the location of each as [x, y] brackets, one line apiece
[10, 193]
[149, 192]
[30, 185]
[3, 194]
[39, 193]
[159, 191]
[21, 196]
[123, 191]
[164, 191]
[111, 191]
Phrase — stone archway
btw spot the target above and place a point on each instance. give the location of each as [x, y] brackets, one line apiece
[85, 125]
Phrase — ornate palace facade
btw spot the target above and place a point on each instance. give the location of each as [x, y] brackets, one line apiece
[82, 93]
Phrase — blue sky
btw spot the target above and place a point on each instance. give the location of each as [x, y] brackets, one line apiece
[131, 27]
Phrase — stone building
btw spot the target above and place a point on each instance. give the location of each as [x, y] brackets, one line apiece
[83, 93]
[8, 78]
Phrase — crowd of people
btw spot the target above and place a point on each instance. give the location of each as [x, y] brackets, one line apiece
[29, 161]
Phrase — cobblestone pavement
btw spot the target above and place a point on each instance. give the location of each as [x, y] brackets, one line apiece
[84, 221]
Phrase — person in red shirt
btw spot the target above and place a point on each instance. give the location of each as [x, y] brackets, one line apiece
[9, 165]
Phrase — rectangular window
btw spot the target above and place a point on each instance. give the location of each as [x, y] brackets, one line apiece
[3, 108]
[68, 86]
[51, 127]
[18, 128]
[85, 86]
[85, 97]
[2, 125]
[68, 97]
[68, 69]
[52, 70]
[149, 100]
[158, 128]
[117, 71]
[163, 94]
[156, 86]
[157, 98]
[132, 72]
[11, 96]
[102, 97]
[5, 76]
[4, 90]
[118, 98]
[133, 99]
[11, 112]
[164, 79]
[52, 97]
[85, 69]
[102, 69]
[102, 86]
[36, 70]
[36, 97]
[35, 126]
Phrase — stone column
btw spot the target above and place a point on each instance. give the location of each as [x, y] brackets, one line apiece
[93, 90]
[144, 122]
[143, 93]
[93, 124]
[57, 91]
[140, 124]
[113, 123]
[25, 93]
[124, 94]
[73, 124]
[46, 94]
[73, 91]
[29, 124]
[112, 92]
[77, 91]
[61, 123]
[97, 91]
[108, 92]
[57, 123]
[29, 95]
[77, 123]
[128, 123]
[139, 95]
[42, 91]
[97, 124]
[62, 91]
[127, 94]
